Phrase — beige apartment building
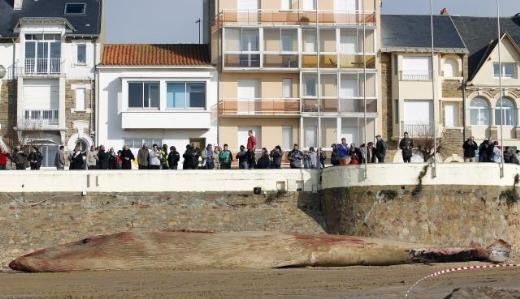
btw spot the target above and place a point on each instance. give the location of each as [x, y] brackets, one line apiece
[293, 71]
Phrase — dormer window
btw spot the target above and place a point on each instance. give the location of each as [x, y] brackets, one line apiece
[75, 8]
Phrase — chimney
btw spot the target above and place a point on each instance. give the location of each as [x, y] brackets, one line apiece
[17, 4]
[444, 12]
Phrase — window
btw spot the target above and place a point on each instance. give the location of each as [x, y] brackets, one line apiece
[479, 112]
[287, 88]
[182, 95]
[309, 4]
[309, 40]
[247, 4]
[416, 68]
[75, 8]
[287, 138]
[451, 68]
[143, 95]
[310, 86]
[42, 53]
[137, 143]
[508, 70]
[289, 38]
[80, 99]
[505, 109]
[81, 54]
[286, 4]
[311, 136]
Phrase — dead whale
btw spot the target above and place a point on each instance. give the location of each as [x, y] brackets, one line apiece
[232, 250]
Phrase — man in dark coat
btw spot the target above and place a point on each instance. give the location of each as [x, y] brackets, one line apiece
[276, 156]
[406, 146]
[103, 158]
[264, 161]
[380, 150]
[35, 159]
[470, 148]
[128, 157]
[483, 152]
[77, 159]
[173, 158]
[20, 158]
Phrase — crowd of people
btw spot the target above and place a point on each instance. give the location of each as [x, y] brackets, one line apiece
[489, 151]
[210, 157]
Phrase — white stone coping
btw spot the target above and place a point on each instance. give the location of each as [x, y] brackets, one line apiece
[469, 174]
[120, 181]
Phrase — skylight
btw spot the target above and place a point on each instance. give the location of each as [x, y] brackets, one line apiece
[75, 8]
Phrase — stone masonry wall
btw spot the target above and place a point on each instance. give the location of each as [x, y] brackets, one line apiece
[386, 86]
[8, 92]
[72, 116]
[439, 215]
[32, 221]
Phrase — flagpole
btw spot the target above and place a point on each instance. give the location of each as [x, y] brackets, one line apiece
[365, 92]
[502, 116]
[433, 73]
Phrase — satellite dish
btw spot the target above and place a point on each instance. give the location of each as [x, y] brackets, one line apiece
[2, 72]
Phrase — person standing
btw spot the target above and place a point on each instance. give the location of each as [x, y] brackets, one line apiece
[164, 157]
[264, 161]
[276, 157]
[343, 152]
[173, 158]
[208, 157]
[225, 158]
[4, 156]
[380, 150]
[188, 157]
[295, 157]
[20, 158]
[312, 158]
[322, 158]
[406, 146]
[470, 150]
[103, 158]
[243, 158]
[143, 157]
[35, 158]
[497, 153]
[334, 160]
[77, 159]
[251, 146]
[92, 158]
[155, 157]
[483, 151]
[127, 156]
[59, 159]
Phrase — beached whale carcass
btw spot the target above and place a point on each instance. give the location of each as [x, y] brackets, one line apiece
[232, 250]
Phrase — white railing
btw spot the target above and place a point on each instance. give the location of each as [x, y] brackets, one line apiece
[417, 130]
[42, 66]
[416, 76]
[40, 119]
[296, 16]
[276, 106]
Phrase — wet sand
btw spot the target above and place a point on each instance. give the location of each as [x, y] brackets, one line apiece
[352, 282]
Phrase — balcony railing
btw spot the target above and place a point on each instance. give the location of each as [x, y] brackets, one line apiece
[415, 76]
[40, 119]
[42, 66]
[417, 130]
[294, 17]
[332, 105]
[285, 106]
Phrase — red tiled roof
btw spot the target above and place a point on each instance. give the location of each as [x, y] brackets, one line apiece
[167, 54]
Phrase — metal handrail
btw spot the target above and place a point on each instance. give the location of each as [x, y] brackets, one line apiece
[259, 106]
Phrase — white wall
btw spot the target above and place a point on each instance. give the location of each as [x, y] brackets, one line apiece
[158, 181]
[6, 58]
[112, 103]
[470, 174]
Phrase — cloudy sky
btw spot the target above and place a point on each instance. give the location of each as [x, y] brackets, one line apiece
[173, 21]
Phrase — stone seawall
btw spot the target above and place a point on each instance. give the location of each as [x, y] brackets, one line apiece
[31, 221]
[439, 215]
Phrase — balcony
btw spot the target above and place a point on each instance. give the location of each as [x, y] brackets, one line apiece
[294, 17]
[417, 130]
[260, 107]
[415, 76]
[40, 120]
[42, 67]
[332, 105]
[171, 119]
